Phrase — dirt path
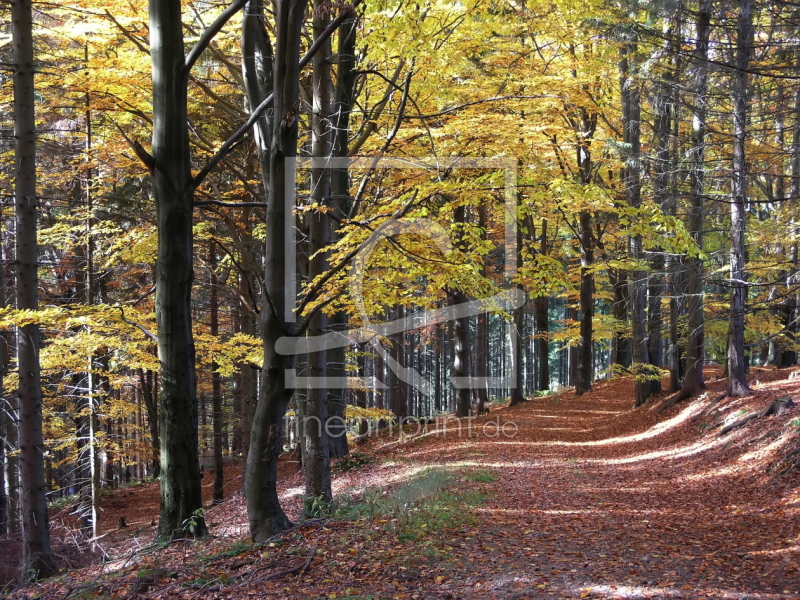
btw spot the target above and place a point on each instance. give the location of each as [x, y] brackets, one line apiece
[594, 500]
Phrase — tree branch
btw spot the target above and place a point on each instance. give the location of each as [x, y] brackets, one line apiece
[208, 35]
[256, 114]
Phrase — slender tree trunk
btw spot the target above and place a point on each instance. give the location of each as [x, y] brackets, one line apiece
[461, 334]
[631, 120]
[621, 342]
[216, 380]
[585, 355]
[657, 287]
[737, 367]
[316, 455]
[36, 557]
[693, 380]
[481, 364]
[148, 387]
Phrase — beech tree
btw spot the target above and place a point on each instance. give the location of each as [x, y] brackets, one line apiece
[173, 188]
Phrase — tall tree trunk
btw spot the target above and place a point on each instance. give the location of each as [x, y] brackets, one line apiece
[737, 367]
[174, 193]
[621, 342]
[541, 310]
[517, 332]
[266, 517]
[149, 389]
[36, 556]
[316, 455]
[631, 122]
[693, 380]
[342, 106]
[662, 129]
[585, 355]
[481, 364]
[216, 380]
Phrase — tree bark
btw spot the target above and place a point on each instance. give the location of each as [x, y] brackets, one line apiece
[693, 380]
[631, 121]
[174, 193]
[737, 367]
[36, 557]
[265, 515]
[216, 380]
[316, 455]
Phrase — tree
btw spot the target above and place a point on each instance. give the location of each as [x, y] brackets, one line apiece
[737, 366]
[173, 188]
[37, 559]
[263, 507]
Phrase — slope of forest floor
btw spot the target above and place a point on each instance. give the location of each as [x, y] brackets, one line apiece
[590, 499]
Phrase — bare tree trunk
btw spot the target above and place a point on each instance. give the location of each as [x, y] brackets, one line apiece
[264, 511]
[174, 193]
[585, 366]
[36, 557]
[481, 366]
[631, 120]
[342, 106]
[216, 380]
[316, 455]
[693, 380]
[621, 342]
[585, 354]
[737, 367]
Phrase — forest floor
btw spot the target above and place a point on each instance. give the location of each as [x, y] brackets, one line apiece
[589, 499]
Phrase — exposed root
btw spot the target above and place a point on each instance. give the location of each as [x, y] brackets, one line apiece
[777, 407]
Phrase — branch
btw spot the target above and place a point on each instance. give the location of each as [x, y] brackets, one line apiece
[209, 34]
[256, 114]
[141, 153]
[141, 328]
[484, 101]
[311, 292]
[231, 204]
[134, 40]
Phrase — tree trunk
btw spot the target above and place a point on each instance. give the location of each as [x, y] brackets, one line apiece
[480, 367]
[693, 380]
[737, 367]
[316, 454]
[216, 380]
[180, 468]
[36, 557]
[631, 117]
[621, 343]
[585, 365]
[265, 515]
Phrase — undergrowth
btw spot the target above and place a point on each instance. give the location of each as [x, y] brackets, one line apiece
[432, 501]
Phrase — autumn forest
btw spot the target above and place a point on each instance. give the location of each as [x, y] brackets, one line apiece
[388, 290]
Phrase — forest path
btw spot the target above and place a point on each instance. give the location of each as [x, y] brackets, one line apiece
[594, 500]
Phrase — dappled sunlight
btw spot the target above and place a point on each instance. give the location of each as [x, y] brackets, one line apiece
[672, 453]
[635, 592]
[777, 551]
[768, 450]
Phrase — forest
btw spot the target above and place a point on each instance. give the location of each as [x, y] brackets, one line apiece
[316, 279]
